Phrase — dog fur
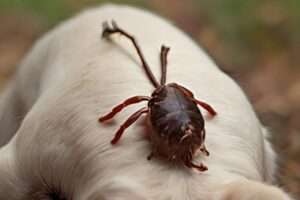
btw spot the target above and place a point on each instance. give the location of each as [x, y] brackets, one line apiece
[52, 142]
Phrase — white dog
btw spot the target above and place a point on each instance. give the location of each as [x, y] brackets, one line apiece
[53, 146]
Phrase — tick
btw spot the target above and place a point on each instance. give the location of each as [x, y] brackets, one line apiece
[177, 123]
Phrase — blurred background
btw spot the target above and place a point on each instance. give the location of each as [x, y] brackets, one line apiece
[257, 42]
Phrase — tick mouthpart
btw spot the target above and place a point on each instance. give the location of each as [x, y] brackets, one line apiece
[187, 135]
[188, 132]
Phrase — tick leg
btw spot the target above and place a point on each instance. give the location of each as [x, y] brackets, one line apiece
[205, 106]
[200, 167]
[204, 150]
[163, 61]
[203, 147]
[201, 103]
[188, 163]
[107, 31]
[127, 123]
[127, 102]
[186, 91]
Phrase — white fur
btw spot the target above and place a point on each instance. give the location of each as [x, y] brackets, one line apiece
[72, 76]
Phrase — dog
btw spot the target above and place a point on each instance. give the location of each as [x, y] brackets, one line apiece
[53, 147]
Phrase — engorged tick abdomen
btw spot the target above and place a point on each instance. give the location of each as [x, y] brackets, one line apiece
[172, 114]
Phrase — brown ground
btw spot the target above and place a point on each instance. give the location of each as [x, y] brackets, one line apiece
[272, 80]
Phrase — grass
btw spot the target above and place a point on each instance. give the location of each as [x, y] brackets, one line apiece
[254, 26]
[51, 12]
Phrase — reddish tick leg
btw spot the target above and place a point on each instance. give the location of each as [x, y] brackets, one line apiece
[108, 30]
[204, 150]
[201, 103]
[163, 62]
[127, 123]
[118, 108]
[186, 91]
[200, 167]
[203, 147]
[205, 106]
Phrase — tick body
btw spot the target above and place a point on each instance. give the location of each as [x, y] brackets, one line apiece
[177, 123]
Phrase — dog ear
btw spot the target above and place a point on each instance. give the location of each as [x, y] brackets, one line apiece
[121, 188]
[249, 190]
